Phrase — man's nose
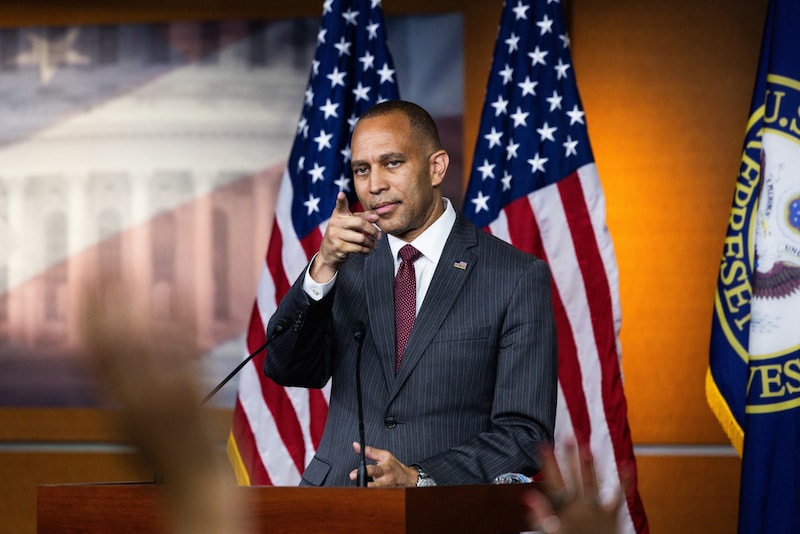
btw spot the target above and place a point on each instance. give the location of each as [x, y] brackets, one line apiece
[377, 182]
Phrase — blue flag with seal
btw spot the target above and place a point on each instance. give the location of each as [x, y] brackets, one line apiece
[753, 382]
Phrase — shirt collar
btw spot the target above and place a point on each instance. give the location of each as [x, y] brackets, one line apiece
[431, 241]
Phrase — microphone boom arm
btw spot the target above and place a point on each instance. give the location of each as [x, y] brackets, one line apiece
[280, 327]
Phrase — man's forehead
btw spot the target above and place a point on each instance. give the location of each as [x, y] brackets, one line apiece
[374, 141]
[394, 120]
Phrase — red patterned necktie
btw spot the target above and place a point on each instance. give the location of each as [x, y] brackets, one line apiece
[405, 301]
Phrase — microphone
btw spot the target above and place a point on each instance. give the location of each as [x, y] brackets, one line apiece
[359, 331]
[281, 326]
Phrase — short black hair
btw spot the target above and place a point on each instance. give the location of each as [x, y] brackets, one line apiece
[422, 124]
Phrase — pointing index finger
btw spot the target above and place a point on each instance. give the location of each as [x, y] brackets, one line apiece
[342, 206]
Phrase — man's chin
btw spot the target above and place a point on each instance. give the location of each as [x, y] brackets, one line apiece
[385, 227]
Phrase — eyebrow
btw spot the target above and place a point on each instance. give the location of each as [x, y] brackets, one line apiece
[383, 158]
[391, 156]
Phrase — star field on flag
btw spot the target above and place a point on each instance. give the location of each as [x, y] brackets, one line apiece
[533, 134]
[349, 75]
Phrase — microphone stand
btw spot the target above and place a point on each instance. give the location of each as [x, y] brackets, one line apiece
[280, 327]
[358, 334]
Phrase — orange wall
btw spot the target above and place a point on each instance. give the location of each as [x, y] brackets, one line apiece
[667, 90]
[666, 87]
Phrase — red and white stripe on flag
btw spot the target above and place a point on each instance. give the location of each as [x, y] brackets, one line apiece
[275, 429]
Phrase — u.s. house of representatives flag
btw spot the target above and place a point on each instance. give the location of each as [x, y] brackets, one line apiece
[753, 383]
[276, 430]
[534, 184]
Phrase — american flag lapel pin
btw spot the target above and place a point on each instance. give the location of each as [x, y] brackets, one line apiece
[460, 265]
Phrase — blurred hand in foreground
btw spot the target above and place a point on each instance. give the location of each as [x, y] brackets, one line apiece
[146, 366]
[571, 506]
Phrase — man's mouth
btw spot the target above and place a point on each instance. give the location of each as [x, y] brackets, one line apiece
[383, 208]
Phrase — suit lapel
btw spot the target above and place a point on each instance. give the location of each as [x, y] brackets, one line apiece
[452, 272]
[378, 281]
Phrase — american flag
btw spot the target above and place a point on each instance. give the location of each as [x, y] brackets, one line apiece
[275, 429]
[534, 183]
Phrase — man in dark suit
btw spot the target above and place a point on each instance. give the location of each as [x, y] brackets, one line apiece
[470, 392]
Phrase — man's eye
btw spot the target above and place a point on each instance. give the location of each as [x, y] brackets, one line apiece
[393, 163]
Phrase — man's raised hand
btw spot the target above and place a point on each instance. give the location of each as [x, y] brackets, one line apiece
[347, 233]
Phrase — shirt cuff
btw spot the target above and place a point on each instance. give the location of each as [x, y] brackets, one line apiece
[314, 289]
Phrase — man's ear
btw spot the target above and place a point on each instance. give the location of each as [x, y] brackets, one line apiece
[440, 160]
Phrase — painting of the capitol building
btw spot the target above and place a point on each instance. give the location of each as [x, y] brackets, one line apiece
[150, 154]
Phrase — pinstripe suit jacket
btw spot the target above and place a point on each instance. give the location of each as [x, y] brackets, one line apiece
[476, 392]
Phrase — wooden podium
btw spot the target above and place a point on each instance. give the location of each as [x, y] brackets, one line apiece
[120, 508]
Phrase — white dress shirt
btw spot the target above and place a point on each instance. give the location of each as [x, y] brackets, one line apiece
[430, 243]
